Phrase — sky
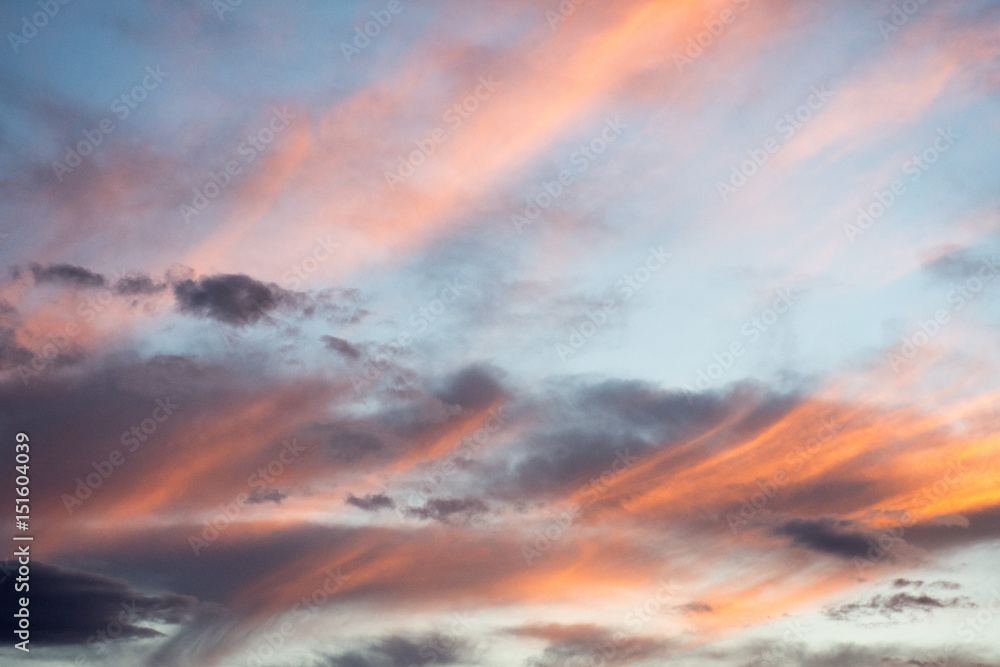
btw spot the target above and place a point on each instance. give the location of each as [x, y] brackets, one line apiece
[553, 334]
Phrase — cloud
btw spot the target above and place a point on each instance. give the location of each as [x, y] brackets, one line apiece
[559, 461]
[341, 346]
[472, 388]
[371, 502]
[138, 284]
[229, 298]
[258, 496]
[67, 274]
[759, 654]
[443, 509]
[405, 651]
[962, 264]
[12, 354]
[695, 608]
[825, 535]
[70, 607]
[891, 605]
[586, 644]
[903, 583]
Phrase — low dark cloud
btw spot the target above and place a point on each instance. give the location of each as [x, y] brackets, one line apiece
[12, 354]
[695, 608]
[447, 509]
[351, 444]
[371, 502]
[138, 284]
[963, 263]
[67, 274]
[826, 535]
[561, 460]
[339, 305]
[984, 526]
[341, 346]
[892, 605]
[235, 299]
[587, 644]
[765, 654]
[70, 606]
[400, 651]
[258, 496]
[473, 388]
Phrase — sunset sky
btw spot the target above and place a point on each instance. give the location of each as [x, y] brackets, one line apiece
[529, 333]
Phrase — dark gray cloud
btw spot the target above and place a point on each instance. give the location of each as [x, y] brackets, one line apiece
[638, 405]
[12, 354]
[340, 305]
[354, 443]
[138, 284]
[232, 298]
[984, 525]
[341, 346]
[406, 651]
[447, 509]
[695, 608]
[557, 460]
[259, 495]
[371, 502]
[67, 274]
[585, 430]
[962, 263]
[892, 605]
[588, 644]
[70, 607]
[826, 535]
[766, 654]
[473, 388]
